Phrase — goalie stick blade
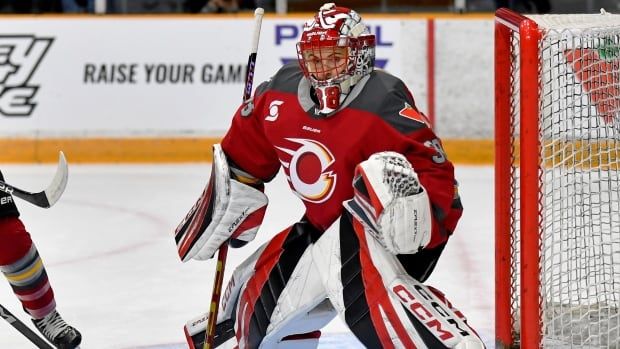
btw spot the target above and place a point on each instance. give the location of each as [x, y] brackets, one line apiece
[23, 329]
[51, 194]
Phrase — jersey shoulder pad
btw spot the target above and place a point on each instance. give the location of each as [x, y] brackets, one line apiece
[387, 97]
[286, 79]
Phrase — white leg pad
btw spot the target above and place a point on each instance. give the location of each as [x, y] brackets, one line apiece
[420, 301]
[407, 296]
[302, 307]
[326, 256]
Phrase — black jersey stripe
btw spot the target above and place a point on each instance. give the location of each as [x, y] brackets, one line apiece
[357, 312]
[385, 95]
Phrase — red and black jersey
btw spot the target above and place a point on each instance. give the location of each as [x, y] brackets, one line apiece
[280, 129]
[7, 206]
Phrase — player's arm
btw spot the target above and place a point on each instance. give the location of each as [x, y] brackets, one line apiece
[424, 150]
[435, 173]
[246, 144]
[410, 194]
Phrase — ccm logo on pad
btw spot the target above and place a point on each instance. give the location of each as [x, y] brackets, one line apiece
[420, 308]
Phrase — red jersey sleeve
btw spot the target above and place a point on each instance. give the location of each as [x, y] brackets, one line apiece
[245, 142]
[436, 174]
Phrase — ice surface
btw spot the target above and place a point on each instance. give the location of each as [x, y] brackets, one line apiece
[110, 254]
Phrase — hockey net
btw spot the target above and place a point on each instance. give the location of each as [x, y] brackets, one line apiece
[557, 181]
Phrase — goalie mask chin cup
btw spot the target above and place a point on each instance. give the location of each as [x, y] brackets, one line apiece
[335, 51]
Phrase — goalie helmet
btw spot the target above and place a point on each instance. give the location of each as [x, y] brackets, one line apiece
[335, 51]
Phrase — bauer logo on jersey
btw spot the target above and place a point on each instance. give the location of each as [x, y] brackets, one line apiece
[410, 113]
[308, 170]
[20, 55]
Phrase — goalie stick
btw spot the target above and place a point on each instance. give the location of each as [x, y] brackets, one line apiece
[51, 194]
[23, 329]
[223, 251]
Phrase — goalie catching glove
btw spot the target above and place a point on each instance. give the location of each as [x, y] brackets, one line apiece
[227, 209]
[391, 203]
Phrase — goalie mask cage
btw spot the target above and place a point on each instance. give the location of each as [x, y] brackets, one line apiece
[557, 180]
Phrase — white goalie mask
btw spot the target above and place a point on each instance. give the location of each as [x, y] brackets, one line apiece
[335, 51]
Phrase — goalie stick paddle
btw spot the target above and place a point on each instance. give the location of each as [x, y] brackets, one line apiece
[216, 295]
[23, 329]
[48, 197]
[223, 251]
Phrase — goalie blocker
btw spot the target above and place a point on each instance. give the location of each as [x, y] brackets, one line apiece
[227, 209]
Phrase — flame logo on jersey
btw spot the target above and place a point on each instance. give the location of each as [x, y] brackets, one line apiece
[307, 170]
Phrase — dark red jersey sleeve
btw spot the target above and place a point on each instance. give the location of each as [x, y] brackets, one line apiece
[425, 152]
[245, 142]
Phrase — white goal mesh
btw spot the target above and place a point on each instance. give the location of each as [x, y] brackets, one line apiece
[579, 200]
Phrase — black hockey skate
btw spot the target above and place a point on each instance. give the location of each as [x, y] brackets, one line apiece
[57, 331]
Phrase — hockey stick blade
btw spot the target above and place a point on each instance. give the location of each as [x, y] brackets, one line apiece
[48, 197]
[23, 329]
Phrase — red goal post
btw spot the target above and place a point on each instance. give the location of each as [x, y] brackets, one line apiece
[557, 181]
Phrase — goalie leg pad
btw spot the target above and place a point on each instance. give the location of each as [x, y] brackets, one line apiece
[396, 311]
[426, 316]
[272, 297]
[226, 209]
[285, 295]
